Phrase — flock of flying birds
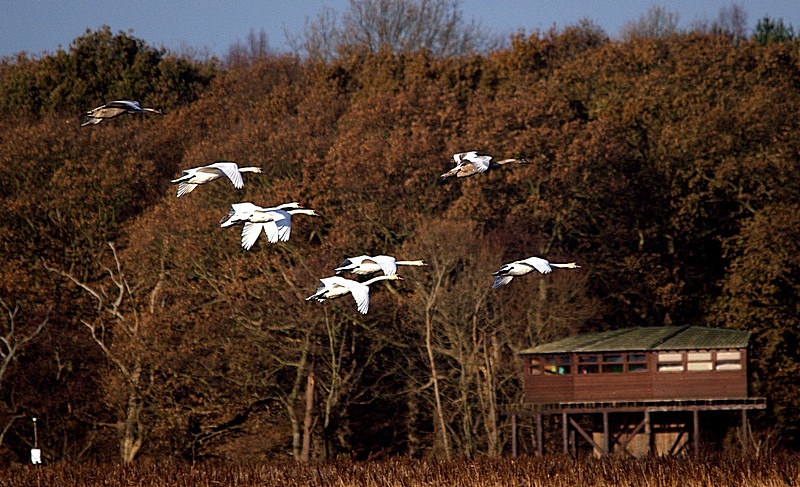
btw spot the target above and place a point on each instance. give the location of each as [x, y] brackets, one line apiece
[276, 222]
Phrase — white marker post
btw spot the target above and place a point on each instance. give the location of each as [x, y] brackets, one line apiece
[36, 453]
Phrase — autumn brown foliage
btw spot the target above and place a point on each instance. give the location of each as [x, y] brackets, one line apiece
[665, 167]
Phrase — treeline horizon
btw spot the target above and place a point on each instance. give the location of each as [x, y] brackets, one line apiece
[134, 326]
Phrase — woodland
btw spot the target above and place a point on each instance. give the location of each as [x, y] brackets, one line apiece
[134, 327]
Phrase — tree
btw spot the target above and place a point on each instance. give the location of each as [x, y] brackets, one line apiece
[15, 337]
[401, 26]
[769, 30]
[256, 46]
[122, 330]
[658, 22]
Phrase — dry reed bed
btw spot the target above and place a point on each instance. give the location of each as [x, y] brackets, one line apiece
[781, 470]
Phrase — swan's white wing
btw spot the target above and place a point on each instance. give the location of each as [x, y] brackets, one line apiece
[461, 156]
[387, 263]
[185, 188]
[231, 170]
[284, 225]
[271, 230]
[541, 265]
[284, 232]
[360, 293]
[125, 105]
[481, 163]
[501, 281]
[250, 233]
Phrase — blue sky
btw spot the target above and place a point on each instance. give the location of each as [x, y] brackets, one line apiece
[37, 26]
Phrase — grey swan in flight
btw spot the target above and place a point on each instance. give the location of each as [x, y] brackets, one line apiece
[507, 272]
[470, 163]
[364, 264]
[336, 286]
[196, 176]
[114, 109]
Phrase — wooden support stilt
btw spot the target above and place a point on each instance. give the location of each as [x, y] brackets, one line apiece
[648, 431]
[514, 435]
[539, 435]
[606, 435]
[565, 432]
[745, 432]
[696, 439]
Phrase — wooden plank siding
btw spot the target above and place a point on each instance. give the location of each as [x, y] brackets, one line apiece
[541, 387]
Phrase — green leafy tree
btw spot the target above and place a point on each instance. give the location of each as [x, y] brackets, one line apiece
[769, 30]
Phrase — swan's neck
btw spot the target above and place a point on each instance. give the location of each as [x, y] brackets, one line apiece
[301, 211]
[379, 278]
[418, 263]
[250, 169]
[571, 265]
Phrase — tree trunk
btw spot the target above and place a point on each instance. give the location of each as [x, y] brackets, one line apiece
[435, 378]
[305, 454]
[132, 429]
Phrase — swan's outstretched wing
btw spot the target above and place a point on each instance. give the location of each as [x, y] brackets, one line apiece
[360, 293]
[284, 225]
[479, 163]
[185, 188]
[230, 169]
[501, 281]
[387, 263]
[538, 263]
[250, 233]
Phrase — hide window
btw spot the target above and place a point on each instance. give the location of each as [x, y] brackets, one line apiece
[729, 361]
[612, 364]
[670, 362]
[535, 367]
[637, 362]
[699, 361]
[588, 364]
[557, 365]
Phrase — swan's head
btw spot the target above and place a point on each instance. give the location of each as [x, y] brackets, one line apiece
[228, 220]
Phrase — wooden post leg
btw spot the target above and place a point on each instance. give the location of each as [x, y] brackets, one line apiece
[696, 421]
[648, 432]
[745, 432]
[565, 432]
[606, 436]
[514, 435]
[539, 436]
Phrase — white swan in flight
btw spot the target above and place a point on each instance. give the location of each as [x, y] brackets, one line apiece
[114, 109]
[364, 264]
[336, 286]
[275, 222]
[470, 163]
[507, 272]
[200, 175]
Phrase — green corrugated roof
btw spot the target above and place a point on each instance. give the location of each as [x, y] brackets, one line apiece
[648, 338]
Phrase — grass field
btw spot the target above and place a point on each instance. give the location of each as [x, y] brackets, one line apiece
[717, 471]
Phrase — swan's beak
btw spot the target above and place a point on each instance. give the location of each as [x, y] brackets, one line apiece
[400, 278]
[226, 221]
